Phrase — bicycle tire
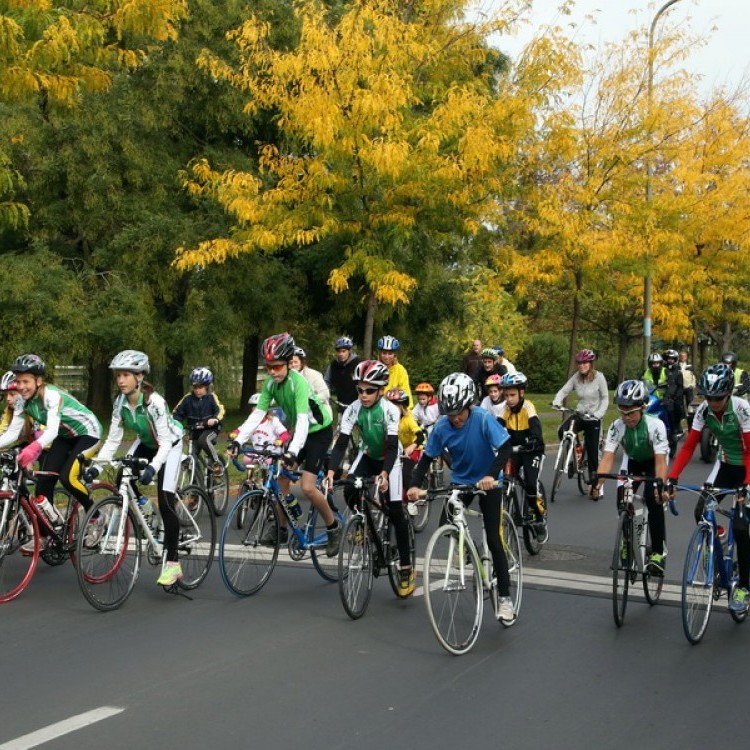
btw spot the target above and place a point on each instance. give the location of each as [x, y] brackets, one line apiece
[187, 473]
[16, 569]
[326, 567]
[528, 527]
[217, 489]
[559, 471]
[697, 584]
[512, 547]
[543, 533]
[355, 568]
[622, 565]
[582, 477]
[394, 562]
[108, 565]
[453, 593]
[652, 586]
[196, 553]
[245, 562]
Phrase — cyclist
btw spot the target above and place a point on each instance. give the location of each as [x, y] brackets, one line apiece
[140, 409]
[339, 373]
[9, 389]
[728, 418]
[489, 366]
[674, 397]
[310, 424]
[478, 446]
[503, 361]
[426, 410]
[313, 377]
[270, 435]
[71, 429]
[379, 454]
[201, 412]
[398, 377]
[410, 434]
[519, 417]
[493, 402]
[741, 377]
[593, 399]
[643, 439]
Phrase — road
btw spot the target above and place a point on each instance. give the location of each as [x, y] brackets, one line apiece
[288, 668]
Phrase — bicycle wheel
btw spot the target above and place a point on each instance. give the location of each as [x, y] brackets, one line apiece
[394, 562]
[528, 526]
[18, 526]
[542, 528]
[622, 566]
[197, 541]
[187, 471]
[583, 476]
[108, 554]
[697, 584]
[217, 488]
[327, 567]
[246, 559]
[355, 568]
[652, 586]
[193, 502]
[509, 537]
[560, 469]
[453, 593]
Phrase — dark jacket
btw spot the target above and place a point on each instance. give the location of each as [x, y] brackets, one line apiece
[338, 376]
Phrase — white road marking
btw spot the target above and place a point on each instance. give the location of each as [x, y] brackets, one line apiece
[66, 726]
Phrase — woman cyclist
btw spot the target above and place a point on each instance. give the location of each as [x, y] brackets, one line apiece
[593, 399]
[398, 377]
[158, 439]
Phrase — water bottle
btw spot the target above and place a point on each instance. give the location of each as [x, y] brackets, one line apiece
[293, 506]
[48, 510]
[146, 506]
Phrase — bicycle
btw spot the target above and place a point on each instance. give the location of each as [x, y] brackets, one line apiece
[571, 457]
[435, 481]
[22, 523]
[368, 547]
[250, 540]
[632, 550]
[109, 560]
[535, 532]
[710, 568]
[457, 575]
[195, 469]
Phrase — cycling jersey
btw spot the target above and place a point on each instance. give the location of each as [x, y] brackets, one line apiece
[375, 424]
[398, 377]
[728, 429]
[496, 409]
[640, 443]
[523, 425]
[408, 430]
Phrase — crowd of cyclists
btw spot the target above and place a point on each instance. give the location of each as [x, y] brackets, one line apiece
[477, 422]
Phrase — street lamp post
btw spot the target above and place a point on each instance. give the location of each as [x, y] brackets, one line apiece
[649, 173]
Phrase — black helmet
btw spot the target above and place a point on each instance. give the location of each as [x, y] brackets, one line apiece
[671, 355]
[30, 363]
[716, 381]
[729, 358]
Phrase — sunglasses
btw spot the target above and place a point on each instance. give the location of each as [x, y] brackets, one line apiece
[628, 412]
[368, 391]
[715, 398]
[275, 368]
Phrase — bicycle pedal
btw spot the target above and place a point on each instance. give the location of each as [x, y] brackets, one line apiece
[175, 590]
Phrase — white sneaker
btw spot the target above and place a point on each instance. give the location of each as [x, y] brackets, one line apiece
[505, 612]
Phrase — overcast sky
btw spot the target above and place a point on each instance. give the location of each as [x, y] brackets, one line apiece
[724, 23]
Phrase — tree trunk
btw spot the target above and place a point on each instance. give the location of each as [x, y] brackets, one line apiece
[173, 388]
[372, 306]
[99, 394]
[250, 348]
[622, 349]
[575, 323]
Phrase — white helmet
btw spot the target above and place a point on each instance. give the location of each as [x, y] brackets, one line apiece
[456, 392]
[253, 400]
[8, 381]
[130, 360]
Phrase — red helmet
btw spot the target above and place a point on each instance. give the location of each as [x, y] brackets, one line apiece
[278, 347]
[585, 355]
[397, 396]
[371, 371]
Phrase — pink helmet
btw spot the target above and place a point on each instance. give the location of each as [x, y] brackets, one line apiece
[585, 355]
[494, 379]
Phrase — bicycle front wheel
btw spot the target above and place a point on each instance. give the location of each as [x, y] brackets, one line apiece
[652, 586]
[622, 566]
[583, 476]
[217, 487]
[355, 568]
[248, 551]
[512, 547]
[697, 584]
[453, 594]
[327, 567]
[560, 469]
[19, 528]
[394, 562]
[108, 552]
[197, 541]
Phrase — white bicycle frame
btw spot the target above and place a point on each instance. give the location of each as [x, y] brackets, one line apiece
[640, 522]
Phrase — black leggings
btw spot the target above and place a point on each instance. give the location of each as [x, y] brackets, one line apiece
[206, 441]
[591, 430]
[61, 458]
[656, 526]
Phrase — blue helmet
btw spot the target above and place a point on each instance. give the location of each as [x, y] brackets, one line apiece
[343, 342]
[388, 344]
[201, 376]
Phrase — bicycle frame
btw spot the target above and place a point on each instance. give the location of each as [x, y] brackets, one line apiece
[364, 505]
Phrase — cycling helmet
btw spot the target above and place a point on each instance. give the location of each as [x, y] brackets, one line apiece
[670, 355]
[424, 388]
[253, 400]
[372, 372]
[514, 380]
[278, 347]
[397, 396]
[717, 380]
[499, 351]
[585, 355]
[455, 393]
[8, 381]
[130, 360]
[388, 344]
[655, 359]
[30, 363]
[343, 342]
[631, 393]
[488, 353]
[300, 352]
[729, 358]
[201, 376]
[494, 379]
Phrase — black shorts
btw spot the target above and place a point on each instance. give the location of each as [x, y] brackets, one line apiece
[314, 452]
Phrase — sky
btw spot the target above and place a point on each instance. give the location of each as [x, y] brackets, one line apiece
[725, 24]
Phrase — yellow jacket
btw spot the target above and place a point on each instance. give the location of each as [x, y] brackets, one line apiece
[399, 378]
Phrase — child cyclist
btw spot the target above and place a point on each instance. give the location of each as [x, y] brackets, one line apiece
[426, 410]
[201, 412]
[310, 424]
[410, 434]
[643, 439]
[9, 389]
[158, 439]
[379, 454]
[493, 402]
[478, 446]
[519, 417]
[728, 418]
